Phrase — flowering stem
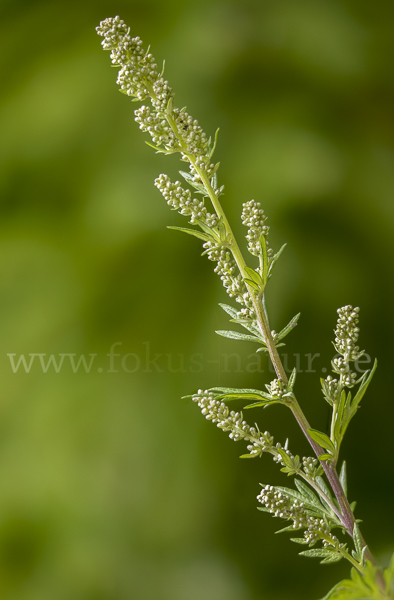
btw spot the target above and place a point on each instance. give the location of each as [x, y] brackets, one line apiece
[174, 130]
[332, 476]
[276, 361]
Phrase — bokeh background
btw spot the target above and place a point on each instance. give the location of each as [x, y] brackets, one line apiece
[111, 486]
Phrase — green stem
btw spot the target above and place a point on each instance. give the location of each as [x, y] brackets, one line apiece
[350, 558]
[239, 259]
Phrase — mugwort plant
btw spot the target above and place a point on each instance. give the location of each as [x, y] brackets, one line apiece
[317, 511]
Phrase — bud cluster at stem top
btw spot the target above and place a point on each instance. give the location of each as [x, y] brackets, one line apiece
[346, 337]
[346, 332]
[254, 218]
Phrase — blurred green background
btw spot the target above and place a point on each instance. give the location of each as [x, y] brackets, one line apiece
[111, 486]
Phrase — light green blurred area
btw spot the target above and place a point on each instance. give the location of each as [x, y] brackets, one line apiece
[111, 486]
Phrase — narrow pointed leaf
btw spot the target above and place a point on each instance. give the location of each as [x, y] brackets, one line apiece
[357, 539]
[343, 477]
[325, 457]
[252, 284]
[289, 327]
[292, 379]
[254, 276]
[306, 490]
[234, 335]
[363, 388]
[322, 439]
[197, 234]
[316, 553]
[335, 557]
[274, 260]
[228, 390]
[264, 254]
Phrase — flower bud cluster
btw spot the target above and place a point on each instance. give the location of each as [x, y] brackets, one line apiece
[138, 68]
[247, 312]
[114, 31]
[204, 165]
[278, 503]
[228, 272]
[346, 336]
[318, 529]
[193, 136]
[181, 200]
[139, 77]
[158, 128]
[254, 218]
[346, 332]
[332, 387]
[162, 94]
[281, 505]
[218, 412]
[278, 457]
[277, 388]
[310, 465]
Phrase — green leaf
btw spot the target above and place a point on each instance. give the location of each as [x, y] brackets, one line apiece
[343, 477]
[388, 575]
[306, 491]
[317, 552]
[265, 349]
[238, 396]
[249, 325]
[292, 379]
[285, 457]
[363, 387]
[208, 230]
[358, 587]
[357, 539]
[347, 407]
[235, 335]
[335, 557]
[324, 487]
[289, 327]
[197, 234]
[258, 404]
[325, 457]
[299, 540]
[322, 439]
[288, 528]
[274, 260]
[264, 255]
[296, 495]
[228, 390]
[189, 178]
[343, 404]
[249, 455]
[215, 142]
[230, 310]
[254, 276]
[252, 284]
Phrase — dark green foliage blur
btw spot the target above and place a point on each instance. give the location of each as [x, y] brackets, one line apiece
[111, 486]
